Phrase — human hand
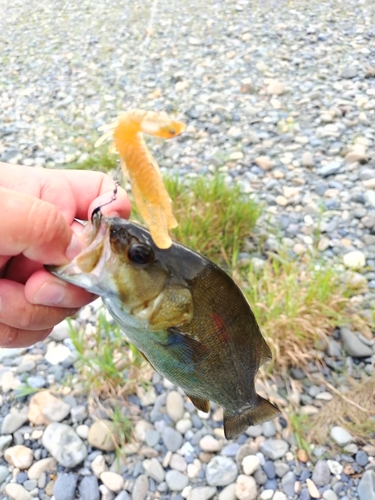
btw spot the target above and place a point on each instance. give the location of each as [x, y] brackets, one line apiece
[37, 227]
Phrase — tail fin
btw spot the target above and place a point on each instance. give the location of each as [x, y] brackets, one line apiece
[262, 412]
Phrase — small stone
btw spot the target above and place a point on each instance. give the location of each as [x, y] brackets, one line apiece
[355, 260]
[64, 444]
[176, 480]
[83, 431]
[353, 346]
[279, 495]
[184, 425]
[154, 469]
[281, 201]
[288, 482]
[349, 72]
[45, 408]
[250, 464]
[17, 492]
[141, 429]
[78, 413]
[30, 484]
[302, 455]
[113, 481]
[140, 488]
[20, 456]
[178, 462]
[334, 467]
[38, 468]
[89, 488]
[101, 436]
[57, 354]
[209, 443]
[65, 486]
[4, 443]
[201, 493]
[366, 486]
[221, 471]
[281, 468]
[263, 162]
[307, 159]
[228, 493]
[361, 458]
[60, 332]
[172, 439]
[321, 475]
[266, 495]
[12, 422]
[275, 88]
[274, 448]
[330, 168]
[4, 473]
[312, 489]
[98, 465]
[330, 495]
[246, 488]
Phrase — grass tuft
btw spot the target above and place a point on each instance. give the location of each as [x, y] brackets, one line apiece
[298, 303]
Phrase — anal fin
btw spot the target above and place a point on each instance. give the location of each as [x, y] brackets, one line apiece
[262, 412]
[200, 403]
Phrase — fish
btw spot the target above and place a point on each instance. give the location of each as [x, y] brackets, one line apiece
[184, 313]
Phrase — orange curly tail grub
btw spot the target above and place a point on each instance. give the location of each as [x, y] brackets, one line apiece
[148, 189]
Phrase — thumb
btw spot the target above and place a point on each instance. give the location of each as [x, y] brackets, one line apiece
[34, 228]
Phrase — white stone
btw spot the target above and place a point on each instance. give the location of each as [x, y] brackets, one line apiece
[154, 469]
[175, 406]
[209, 443]
[57, 354]
[250, 464]
[41, 466]
[20, 456]
[17, 492]
[228, 493]
[355, 259]
[335, 467]
[246, 488]
[113, 481]
[341, 436]
[98, 465]
[202, 493]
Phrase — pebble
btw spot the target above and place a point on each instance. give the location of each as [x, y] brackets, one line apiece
[340, 435]
[246, 488]
[361, 458]
[4, 473]
[100, 435]
[99, 465]
[89, 488]
[57, 354]
[113, 481]
[64, 444]
[353, 345]
[175, 406]
[366, 486]
[221, 471]
[355, 259]
[12, 422]
[172, 439]
[210, 444]
[312, 489]
[17, 492]
[176, 480]
[41, 466]
[274, 448]
[20, 456]
[201, 493]
[250, 464]
[140, 489]
[330, 495]
[288, 482]
[321, 474]
[45, 408]
[334, 467]
[65, 486]
[154, 469]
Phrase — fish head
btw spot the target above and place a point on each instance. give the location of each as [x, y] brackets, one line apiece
[121, 263]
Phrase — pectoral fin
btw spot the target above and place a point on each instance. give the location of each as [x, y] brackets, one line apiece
[185, 349]
[200, 403]
[262, 412]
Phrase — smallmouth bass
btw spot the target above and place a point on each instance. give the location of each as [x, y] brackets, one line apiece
[184, 313]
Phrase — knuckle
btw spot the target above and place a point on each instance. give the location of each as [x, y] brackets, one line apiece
[45, 222]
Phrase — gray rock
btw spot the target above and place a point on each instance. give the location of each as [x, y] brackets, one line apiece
[366, 173]
[56, 410]
[123, 495]
[202, 493]
[268, 429]
[89, 488]
[78, 413]
[4, 473]
[172, 439]
[281, 468]
[307, 159]
[331, 168]
[65, 486]
[154, 469]
[176, 480]
[4, 443]
[274, 448]
[288, 482]
[361, 458]
[152, 437]
[12, 422]
[333, 348]
[37, 381]
[349, 72]
[366, 487]
[221, 471]
[353, 345]
[64, 444]
[140, 488]
[321, 475]
[30, 484]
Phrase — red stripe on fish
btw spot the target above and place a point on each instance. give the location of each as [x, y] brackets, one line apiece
[220, 327]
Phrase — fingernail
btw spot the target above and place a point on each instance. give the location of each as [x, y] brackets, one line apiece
[74, 248]
[50, 294]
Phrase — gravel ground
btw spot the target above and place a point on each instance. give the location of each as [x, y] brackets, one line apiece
[279, 96]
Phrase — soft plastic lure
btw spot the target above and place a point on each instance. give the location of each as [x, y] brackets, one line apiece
[150, 195]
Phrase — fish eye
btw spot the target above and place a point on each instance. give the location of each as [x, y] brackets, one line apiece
[140, 254]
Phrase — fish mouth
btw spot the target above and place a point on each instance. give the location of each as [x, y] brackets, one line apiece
[86, 269]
